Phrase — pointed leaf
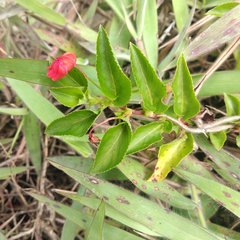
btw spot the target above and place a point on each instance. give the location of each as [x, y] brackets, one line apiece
[68, 96]
[150, 86]
[112, 148]
[96, 229]
[220, 10]
[218, 139]
[224, 195]
[146, 135]
[114, 83]
[75, 124]
[186, 104]
[170, 155]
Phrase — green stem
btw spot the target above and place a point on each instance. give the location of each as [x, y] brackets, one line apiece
[197, 200]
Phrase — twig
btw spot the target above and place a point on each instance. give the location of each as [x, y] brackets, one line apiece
[226, 53]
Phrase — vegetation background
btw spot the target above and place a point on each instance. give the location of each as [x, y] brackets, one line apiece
[49, 188]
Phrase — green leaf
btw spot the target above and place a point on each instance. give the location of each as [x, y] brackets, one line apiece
[32, 133]
[83, 220]
[228, 165]
[218, 139]
[224, 195]
[149, 85]
[110, 212]
[74, 124]
[147, 25]
[46, 112]
[238, 140]
[170, 155]
[181, 13]
[13, 111]
[186, 104]
[113, 82]
[6, 172]
[137, 173]
[232, 104]
[96, 229]
[68, 96]
[79, 77]
[112, 148]
[165, 223]
[146, 135]
[220, 10]
[43, 11]
[37, 73]
[219, 81]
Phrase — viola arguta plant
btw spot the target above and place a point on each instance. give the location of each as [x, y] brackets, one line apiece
[115, 86]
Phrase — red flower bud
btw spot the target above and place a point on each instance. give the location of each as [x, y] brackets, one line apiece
[61, 66]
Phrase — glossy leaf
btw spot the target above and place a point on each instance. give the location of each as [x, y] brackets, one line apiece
[218, 139]
[96, 228]
[113, 82]
[224, 195]
[112, 148]
[137, 173]
[6, 172]
[170, 155]
[149, 85]
[232, 104]
[186, 104]
[74, 124]
[138, 208]
[68, 96]
[146, 135]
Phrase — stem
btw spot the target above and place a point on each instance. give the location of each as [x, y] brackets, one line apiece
[197, 200]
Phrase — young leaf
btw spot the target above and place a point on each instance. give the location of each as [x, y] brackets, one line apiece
[218, 139]
[114, 83]
[112, 148]
[79, 77]
[96, 229]
[186, 104]
[170, 155]
[146, 135]
[232, 104]
[75, 124]
[150, 86]
[68, 96]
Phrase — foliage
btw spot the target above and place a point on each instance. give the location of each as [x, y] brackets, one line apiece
[158, 112]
